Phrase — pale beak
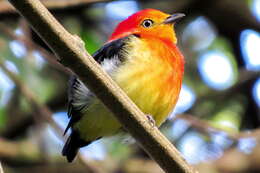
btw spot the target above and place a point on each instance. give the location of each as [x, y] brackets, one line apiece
[173, 18]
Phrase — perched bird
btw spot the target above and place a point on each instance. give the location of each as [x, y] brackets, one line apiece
[142, 57]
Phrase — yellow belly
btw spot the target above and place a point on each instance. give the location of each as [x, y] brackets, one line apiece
[148, 80]
[97, 122]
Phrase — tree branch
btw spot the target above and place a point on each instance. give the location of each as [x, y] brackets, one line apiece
[72, 54]
[43, 110]
[6, 7]
[19, 151]
[205, 127]
[32, 46]
[1, 169]
[43, 113]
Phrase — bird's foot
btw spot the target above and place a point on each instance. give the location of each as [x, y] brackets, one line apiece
[151, 120]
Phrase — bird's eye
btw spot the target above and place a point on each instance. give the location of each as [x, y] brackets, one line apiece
[147, 23]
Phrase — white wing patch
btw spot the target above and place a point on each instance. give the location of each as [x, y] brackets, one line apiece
[109, 65]
[80, 95]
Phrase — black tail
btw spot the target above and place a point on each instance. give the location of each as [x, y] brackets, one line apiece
[72, 146]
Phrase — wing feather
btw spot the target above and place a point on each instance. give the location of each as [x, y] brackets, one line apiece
[110, 56]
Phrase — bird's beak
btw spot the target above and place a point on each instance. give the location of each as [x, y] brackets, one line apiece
[173, 18]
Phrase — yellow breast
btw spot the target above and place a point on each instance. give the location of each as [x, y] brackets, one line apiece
[151, 77]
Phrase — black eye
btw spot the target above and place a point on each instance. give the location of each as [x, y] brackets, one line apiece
[147, 23]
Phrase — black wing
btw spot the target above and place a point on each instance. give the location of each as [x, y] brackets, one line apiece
[110, 56]
[114, 49]
[79, 95]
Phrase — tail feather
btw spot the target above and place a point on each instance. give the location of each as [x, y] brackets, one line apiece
[72, 146]
[79, 98]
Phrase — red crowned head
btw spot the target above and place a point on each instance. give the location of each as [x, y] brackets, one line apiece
[148, 22]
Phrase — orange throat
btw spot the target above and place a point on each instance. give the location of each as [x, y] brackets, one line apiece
[152, 76]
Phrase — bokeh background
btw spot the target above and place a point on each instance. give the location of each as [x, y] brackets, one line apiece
[215, 124]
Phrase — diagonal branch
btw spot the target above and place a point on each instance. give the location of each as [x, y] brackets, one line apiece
[6, 7]
[205, 127]
[32, 46]
[71, 53]
[43, 110]
[45, 114]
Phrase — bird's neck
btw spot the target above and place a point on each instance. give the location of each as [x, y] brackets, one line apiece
[167, 50]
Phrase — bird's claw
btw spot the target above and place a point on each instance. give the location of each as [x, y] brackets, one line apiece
[151, 120]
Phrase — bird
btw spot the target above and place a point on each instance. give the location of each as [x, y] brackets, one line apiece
[142, 57]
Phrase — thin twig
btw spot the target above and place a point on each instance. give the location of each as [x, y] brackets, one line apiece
[19, 149]
[205, 127]
[43, 110]
[72, 54]
[32, 46]
[6, 7]
[31, 98]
